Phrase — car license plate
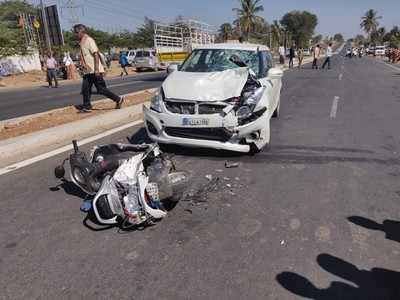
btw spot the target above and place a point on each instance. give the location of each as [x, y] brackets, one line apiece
[194, 122]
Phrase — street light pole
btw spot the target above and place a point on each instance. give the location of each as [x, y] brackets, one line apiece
[45, 26]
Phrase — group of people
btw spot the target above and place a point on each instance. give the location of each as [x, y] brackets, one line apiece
[355, 52]
[52, 67]
[393, 55]
[299, 52]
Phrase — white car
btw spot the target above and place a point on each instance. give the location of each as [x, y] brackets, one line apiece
[131, 57]
[223, 97]
[380, 50]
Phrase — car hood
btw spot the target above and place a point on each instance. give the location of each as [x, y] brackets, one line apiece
[213, 86]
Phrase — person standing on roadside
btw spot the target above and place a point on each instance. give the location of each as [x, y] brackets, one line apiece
[51, 67]
[93, 70]
[123, 62]
[300, 56]
[292, 55]
[282, 54]
[316, 54]
[328, 55]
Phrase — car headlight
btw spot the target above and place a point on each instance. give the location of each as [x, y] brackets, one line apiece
[250, 103]
[156, 100]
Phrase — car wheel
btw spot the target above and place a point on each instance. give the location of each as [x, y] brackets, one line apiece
[277, 109]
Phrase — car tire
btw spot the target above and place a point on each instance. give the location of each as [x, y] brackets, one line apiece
[277, 110]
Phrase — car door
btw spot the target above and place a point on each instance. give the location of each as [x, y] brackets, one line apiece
[273, 85]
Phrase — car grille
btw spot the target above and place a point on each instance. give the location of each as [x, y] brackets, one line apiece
[213, 134]
[189, 108]
[185, 108]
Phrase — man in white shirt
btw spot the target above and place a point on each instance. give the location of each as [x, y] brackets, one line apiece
[93, 70]
[328, 55]
[51, 67]
[282, 55]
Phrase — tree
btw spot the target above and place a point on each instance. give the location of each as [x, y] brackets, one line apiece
[12, 39]
[301, 24]
[359, 40]
[247, 17]
[338, 37]
[144, 36]
[369, 22]
[225, 32]
[393, 37]
[316, 39]
[378, 35]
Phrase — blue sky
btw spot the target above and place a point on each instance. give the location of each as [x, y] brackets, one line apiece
[334, 15]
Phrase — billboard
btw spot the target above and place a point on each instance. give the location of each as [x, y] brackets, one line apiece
[53, 23]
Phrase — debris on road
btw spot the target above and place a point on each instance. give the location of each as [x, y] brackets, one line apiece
[209, 177]
[230, 165]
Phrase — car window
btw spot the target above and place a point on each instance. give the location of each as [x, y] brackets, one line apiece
[214, 60]
[143, 54]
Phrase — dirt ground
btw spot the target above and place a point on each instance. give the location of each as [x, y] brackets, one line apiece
[65, 115]
[38, 78]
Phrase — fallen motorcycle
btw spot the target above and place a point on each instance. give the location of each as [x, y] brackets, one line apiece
[128, 183]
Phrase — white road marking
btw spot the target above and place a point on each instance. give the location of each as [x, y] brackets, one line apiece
[65, 148]
[391, 66]
[334, 107]
[340, 76]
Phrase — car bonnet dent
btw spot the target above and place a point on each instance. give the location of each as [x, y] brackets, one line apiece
[210, 87]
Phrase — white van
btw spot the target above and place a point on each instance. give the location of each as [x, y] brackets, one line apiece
[380, 50]
[146, 59]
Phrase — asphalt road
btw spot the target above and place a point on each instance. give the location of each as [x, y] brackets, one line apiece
[314, 217]
[23, 102]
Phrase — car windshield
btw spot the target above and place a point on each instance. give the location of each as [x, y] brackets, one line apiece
[215, 60]
[143, 54]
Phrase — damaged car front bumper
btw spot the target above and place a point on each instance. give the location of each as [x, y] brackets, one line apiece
[217, 131]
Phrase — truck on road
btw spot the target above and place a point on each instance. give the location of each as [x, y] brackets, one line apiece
[174, 42]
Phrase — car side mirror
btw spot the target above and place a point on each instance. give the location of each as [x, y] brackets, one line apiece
[275, 73]
[172, 68]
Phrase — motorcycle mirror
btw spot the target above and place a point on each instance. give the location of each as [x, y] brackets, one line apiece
[59, 172]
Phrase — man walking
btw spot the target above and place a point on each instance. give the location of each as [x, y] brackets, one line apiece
[292, 55]
[123, 62]
[300, 56]
[51, 67]
[282, 55]
[316, 54]
[328, 55]
[93, 70]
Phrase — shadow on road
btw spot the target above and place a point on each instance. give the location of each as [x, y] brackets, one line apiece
[141, 137]
[375, 284]
[70, 188]
[390, 227]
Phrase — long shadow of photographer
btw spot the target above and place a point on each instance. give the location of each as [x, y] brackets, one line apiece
[390, 227]
[376, 284]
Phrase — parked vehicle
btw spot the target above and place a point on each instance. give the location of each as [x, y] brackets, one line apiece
[306, 52]
[130, 56]
[128, 183]
[146, 59]
[223, 97]
[380, 50]
[174, 42]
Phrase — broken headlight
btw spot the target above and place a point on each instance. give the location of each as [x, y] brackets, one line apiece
[157, 100]
[250, 102]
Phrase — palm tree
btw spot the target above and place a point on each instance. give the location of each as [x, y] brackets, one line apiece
[277, 32]
[225, 31]
[370, 22]
[247, 15]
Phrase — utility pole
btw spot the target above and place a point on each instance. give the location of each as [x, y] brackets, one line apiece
[45, 26]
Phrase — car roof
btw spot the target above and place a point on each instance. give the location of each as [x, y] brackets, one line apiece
[234, 46]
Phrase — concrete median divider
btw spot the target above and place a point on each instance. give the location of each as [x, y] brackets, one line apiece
[16, 149]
